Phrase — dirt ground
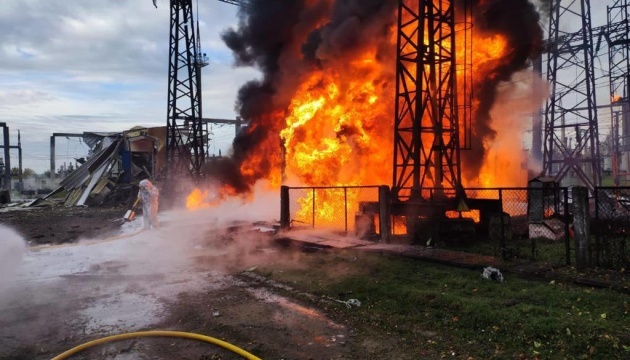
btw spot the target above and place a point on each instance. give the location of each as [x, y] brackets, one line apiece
[76, 292]
[57, 224]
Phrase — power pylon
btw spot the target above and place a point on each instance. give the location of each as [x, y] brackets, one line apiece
[617, 37]
[426, 130]
[571, 143]
[186, 136]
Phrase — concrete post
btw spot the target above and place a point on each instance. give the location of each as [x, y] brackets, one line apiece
[285, 211]
[581, 226]
[384, 213]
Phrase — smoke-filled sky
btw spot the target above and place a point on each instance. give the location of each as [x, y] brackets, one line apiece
[84, 65]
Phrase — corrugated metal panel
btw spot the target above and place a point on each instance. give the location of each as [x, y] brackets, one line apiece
[93, 138]
[78, 177]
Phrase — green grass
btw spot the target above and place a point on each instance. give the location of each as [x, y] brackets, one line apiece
[548, 251]
[476, 318]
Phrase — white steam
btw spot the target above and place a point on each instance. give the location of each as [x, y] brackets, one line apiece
[507, 159]
[12, 247]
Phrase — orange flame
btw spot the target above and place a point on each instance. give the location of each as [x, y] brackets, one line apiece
[338, 128]
[197, 200]
[202, 199]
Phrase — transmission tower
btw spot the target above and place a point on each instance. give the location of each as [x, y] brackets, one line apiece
[617, 37]
[186, 136]
[426, 130]
[571, 145]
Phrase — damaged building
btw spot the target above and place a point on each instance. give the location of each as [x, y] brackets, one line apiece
[117, 161]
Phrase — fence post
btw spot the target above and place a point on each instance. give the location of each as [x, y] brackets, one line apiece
[285, 212]
[598, 241]
[384, 213]
[567, 218]
[502, 239]
[313, 208]
[345, 207]
[581, 226]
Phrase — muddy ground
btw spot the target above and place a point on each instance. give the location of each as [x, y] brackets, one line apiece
[191, 275]
[56, 224]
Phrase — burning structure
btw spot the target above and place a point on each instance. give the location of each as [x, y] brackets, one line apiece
[322, 112]
[321, 115]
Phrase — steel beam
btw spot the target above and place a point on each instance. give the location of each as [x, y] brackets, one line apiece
[53, 154]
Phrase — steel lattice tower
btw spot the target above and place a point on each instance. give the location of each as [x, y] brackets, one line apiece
[426, 134]
[618, 40]
[571, 130]
[186, 135]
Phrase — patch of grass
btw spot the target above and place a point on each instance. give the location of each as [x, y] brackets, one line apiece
[471, 317]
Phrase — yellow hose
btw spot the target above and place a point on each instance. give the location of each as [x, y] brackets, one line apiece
[157, 333]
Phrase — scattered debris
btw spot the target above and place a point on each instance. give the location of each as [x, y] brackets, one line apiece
[491, 273]
[349, 304]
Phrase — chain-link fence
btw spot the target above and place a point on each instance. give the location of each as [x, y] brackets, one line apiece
[532, 223]
[610, 227]
[351, 209]
[519, 223]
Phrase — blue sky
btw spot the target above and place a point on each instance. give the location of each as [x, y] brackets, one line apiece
[85, 65]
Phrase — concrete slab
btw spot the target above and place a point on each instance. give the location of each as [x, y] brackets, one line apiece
[323, 238]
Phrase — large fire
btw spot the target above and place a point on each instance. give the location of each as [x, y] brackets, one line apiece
[338, 126]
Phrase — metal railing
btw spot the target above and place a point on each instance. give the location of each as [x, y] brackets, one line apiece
[341, 208]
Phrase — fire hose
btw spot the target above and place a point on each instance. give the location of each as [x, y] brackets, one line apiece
[157, 333]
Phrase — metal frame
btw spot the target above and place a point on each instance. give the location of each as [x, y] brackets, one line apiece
[572, 105]
[426, 130]
[186, 136]
[617, 38]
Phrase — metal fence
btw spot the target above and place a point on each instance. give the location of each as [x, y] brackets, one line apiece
[532, 223]
[342, 208]
[610, 228]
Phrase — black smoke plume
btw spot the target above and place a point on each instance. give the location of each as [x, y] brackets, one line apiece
[518, 21]
[287, 39]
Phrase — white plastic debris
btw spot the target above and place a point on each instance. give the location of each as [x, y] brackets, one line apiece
[491, 273]
[349, 304]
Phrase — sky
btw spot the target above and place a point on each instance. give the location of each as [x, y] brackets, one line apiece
[101, 65]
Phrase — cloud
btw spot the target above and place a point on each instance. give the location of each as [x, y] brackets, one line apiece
[84, 65]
